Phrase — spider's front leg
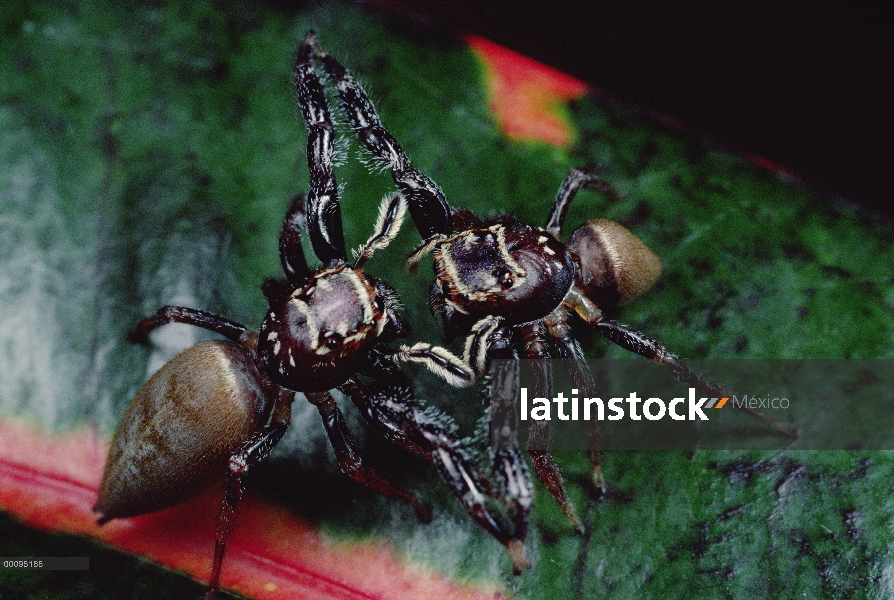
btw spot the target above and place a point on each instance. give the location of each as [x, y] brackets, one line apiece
[428, 207]
[325, 226]
[491, 340]
[387, 402]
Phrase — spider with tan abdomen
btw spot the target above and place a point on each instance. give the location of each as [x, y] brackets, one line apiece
[499, 277]
[221, 406]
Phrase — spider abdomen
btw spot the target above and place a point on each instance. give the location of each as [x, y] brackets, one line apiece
[176, 438]
[615, 265]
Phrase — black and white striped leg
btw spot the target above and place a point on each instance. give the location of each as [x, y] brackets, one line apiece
[387, 402]
[439, 361]
[323, 210]
[199, 318]
[428, 207]
[508, 463]
[538, 436]
[254, 450]
[291, 254]
[640, 344]
[485, 333]
[349, 460]
[575, 180]
[388, 222]
[579, 373]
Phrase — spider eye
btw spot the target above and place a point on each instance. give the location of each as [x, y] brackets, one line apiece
[504, 278]
[331, 340]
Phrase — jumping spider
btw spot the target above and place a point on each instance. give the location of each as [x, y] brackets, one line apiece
[499, 277]
[219, 407]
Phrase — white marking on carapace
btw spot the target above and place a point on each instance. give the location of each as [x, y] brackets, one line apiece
[272, 336]
[313, 325]
[364, 295]
[542, 239]
[359, 336]
[276, 347]
[549, 251]
[504, 252]
[444, 255]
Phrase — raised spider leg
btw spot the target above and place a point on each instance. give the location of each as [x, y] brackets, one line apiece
[577, 369]
[648, 348]
[325, 225]
[349, 460]
[575, 180]
[291, 254]
[177, 314]
[428, 207]
[538, 437]
[387, 402]
[388, 222]
[254, 450]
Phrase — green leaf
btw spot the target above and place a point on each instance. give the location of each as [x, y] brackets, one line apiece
[148, 154]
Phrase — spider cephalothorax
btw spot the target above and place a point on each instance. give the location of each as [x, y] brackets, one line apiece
[325, 325]
[219, 407]
[500, 277]
[503, 268]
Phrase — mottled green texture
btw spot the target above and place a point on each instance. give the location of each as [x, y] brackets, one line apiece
[148, 154]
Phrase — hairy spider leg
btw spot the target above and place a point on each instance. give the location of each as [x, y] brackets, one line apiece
[508, 463]
[534, 335]
[387, 403]
[325, 224]
[191, 316]
[349, 460]
[490, 339]
[573, 360]
[640, 344]
[574, 181]
[428, 207]
[291, 254]
[254, 450]
[620, 334]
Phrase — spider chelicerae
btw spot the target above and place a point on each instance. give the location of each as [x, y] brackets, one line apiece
[498, 280]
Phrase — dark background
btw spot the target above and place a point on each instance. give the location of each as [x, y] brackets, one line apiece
[802, 86]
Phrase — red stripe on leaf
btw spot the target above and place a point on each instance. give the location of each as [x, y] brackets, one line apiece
[51, 482]
[527, 97]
